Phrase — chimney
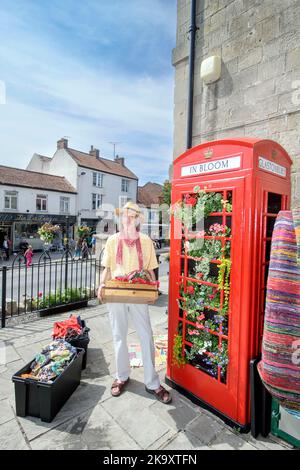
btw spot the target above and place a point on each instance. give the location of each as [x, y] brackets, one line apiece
[94, 152]
[120, 160]
[62, 143]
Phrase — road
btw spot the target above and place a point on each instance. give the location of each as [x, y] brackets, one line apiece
[41, 279]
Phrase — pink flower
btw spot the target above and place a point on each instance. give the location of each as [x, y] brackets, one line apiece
[193, 332]
[217, 228]
[40, 294]
[201, 317]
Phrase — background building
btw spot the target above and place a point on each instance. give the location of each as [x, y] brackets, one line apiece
[28, 199]
[258, 93]
[98, 181]
[151, 198]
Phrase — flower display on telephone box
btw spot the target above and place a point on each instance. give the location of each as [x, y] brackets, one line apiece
[47, 232]
[205, 281]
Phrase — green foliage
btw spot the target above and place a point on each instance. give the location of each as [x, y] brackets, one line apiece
[167, 192]
[59, 297]
[178, 358]
[224, 280]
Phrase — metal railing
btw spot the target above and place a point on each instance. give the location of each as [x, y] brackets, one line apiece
[48, 284]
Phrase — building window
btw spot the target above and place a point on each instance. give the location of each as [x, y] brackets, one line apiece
[11, 200]
[41, 202]
[123, 200]
[65, 205]
[97, 179]
[125, 186]
[97, 201]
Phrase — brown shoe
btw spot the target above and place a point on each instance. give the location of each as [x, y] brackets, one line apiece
[162, 395]
[117, 387]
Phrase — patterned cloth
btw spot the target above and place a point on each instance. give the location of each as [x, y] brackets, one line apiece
[280, 365]
[52, 361]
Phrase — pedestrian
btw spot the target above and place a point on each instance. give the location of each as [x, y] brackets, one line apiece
[28, 255]
[124, 252]
[93, 242]
[23, 243]
[84, 250]
[6, 247]
[78, 248]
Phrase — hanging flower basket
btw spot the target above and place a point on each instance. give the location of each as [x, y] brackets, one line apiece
[47, 232]
[83, 231]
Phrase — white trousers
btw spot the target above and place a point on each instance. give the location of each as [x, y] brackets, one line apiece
[139, 313]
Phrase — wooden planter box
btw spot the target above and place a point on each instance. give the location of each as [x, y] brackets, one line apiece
[129, 292]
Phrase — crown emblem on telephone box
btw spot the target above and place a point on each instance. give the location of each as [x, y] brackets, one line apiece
[208, 153]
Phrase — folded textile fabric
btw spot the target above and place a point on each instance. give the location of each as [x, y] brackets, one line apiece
[60, 329]
[279, 368]
[52, 361]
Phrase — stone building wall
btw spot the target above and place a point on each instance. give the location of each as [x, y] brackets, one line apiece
[258, 94]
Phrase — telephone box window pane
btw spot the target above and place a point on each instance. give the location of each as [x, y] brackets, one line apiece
[274, 203]
[213, 270]
[266, 273]
[270, 226]
[212, 219]
[182, 266]
[191, 267]
[268, 250]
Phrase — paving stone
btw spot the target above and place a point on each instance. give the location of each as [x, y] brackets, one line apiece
[204, 428]
[12, 437]
[11, 354]
[6, 413]
[227, 440]
[28, 352]
[85, 397]
[11, 369]
[132, 412]
[177, 415]
[185, 441]
[94, 430]
[6, 389]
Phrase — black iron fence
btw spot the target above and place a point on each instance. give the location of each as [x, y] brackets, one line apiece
[49, 285]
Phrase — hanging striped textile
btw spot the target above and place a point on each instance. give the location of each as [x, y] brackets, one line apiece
[280, 365]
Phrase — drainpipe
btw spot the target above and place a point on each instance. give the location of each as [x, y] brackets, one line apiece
[192, 31]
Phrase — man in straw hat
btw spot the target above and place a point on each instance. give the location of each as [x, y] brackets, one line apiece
[126, 251]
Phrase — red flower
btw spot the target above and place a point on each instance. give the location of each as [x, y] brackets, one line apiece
[40, 294]
[190, 289]
[201, 317]
[190, 200]
[199, 274]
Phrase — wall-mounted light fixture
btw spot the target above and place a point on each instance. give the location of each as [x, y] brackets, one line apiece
[211, 69]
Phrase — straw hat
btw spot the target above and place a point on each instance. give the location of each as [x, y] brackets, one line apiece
[131, 208]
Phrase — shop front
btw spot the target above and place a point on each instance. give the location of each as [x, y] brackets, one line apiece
[92, 224]
[25, 226]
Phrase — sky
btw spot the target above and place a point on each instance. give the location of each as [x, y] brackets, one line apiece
[93, 71]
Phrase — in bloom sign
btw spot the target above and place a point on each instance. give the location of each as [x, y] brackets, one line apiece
[223, 164]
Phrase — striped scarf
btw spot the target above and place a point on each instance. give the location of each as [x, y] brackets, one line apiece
[280, 365]
[130, 243]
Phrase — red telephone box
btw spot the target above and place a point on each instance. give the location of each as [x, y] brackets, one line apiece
[225, 198]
